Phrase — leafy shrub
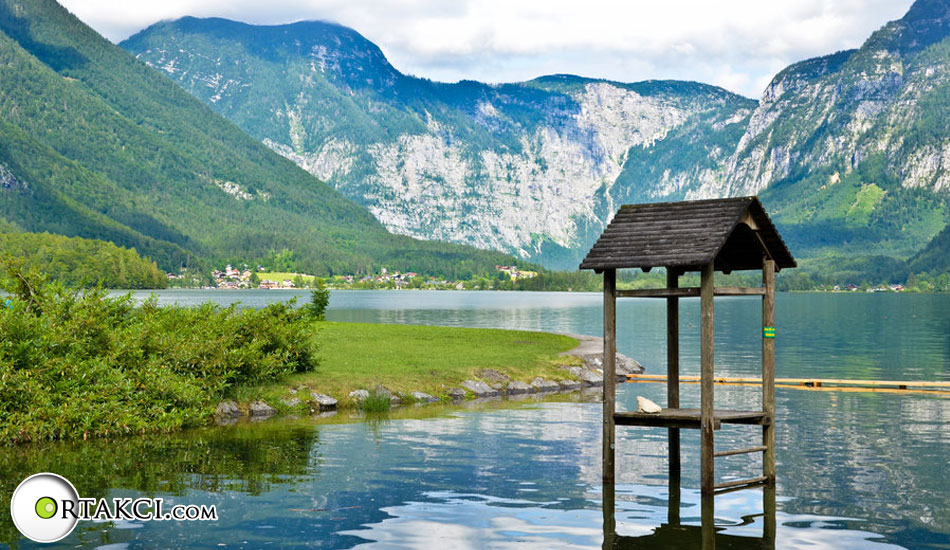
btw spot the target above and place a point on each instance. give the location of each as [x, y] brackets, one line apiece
[79, 363]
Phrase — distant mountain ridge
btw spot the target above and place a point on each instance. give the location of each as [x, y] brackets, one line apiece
[847, 150]
[96, 144]
[527, 168]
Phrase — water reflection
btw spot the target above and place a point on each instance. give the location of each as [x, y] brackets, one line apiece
[746, 519]
[492, 475]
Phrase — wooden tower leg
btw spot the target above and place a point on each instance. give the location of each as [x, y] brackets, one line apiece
[768, 510]
[708, 524]
[768, 369]
[706, 381]
[610, 520]
[673, 393]
[610, 371]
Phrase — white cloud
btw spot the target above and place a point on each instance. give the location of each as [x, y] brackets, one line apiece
[737, 44]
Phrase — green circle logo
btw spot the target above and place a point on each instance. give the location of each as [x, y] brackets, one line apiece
[46, 507]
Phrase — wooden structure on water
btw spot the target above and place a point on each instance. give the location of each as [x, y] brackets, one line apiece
[706, 236]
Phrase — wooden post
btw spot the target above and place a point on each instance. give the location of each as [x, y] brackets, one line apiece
[610, 520]
[675, 499]
[610, 371]
[708, 521]
[768, 368]
[673, 392]
[768, 516]
[707, 467]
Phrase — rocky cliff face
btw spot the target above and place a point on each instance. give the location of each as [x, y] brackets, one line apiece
[9, 181]
[845, 148]
[528, 168]
[859, 136]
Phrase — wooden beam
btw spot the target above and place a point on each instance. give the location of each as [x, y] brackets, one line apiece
[673, 373]
[658, 292]
[688, 418]
[707, 467]
[610, 371]
[738, 291]
[768, 367]
[733, 452]
[689, 292]
[739, 482]
[810, 382]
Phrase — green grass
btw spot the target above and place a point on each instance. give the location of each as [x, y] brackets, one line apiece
[376, 403]
[865, 201]
[407, 358]
[282, 275]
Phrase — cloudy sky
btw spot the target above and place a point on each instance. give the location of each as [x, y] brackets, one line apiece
[736, 44]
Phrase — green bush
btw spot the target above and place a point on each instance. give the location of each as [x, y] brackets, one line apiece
[79, 363]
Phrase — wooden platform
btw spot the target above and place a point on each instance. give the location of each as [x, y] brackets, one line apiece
[689, 418]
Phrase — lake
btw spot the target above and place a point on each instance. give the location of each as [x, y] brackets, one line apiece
[855, 469]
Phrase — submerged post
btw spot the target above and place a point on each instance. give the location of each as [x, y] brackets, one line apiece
[673, 389]
[707, 449]
[610, 371]
[768, 369]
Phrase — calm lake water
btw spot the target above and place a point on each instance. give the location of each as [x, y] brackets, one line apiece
[855, 469]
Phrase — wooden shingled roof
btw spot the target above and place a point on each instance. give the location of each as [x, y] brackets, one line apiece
[734, 232]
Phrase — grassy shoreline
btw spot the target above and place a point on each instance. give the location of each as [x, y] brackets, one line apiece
[78, 364]
[414, 358]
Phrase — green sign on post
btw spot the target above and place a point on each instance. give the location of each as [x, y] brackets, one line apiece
[768, 332]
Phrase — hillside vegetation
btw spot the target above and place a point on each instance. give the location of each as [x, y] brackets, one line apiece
[96, 144]
[75, 261]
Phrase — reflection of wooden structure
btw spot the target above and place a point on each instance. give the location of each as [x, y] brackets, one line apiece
[707, 236]
[674, 535]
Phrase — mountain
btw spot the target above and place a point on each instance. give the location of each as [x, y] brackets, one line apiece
[849, 151]
[852, 150]
[935, 257]
[94, 143]
[531, 168]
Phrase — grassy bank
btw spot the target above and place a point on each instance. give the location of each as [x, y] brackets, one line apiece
[407, 358]
[79, 364]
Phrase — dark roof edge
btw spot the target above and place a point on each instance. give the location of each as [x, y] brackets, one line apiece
[781, 255]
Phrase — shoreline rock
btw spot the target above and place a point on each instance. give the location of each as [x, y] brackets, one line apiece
[422, 397]
[480, 389]
[359, 395]
[590, 350]
[323, 402]
[261, 409]
[227, 409]
[544, 386]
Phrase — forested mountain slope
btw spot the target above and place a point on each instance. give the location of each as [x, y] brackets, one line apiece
[97, 144]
